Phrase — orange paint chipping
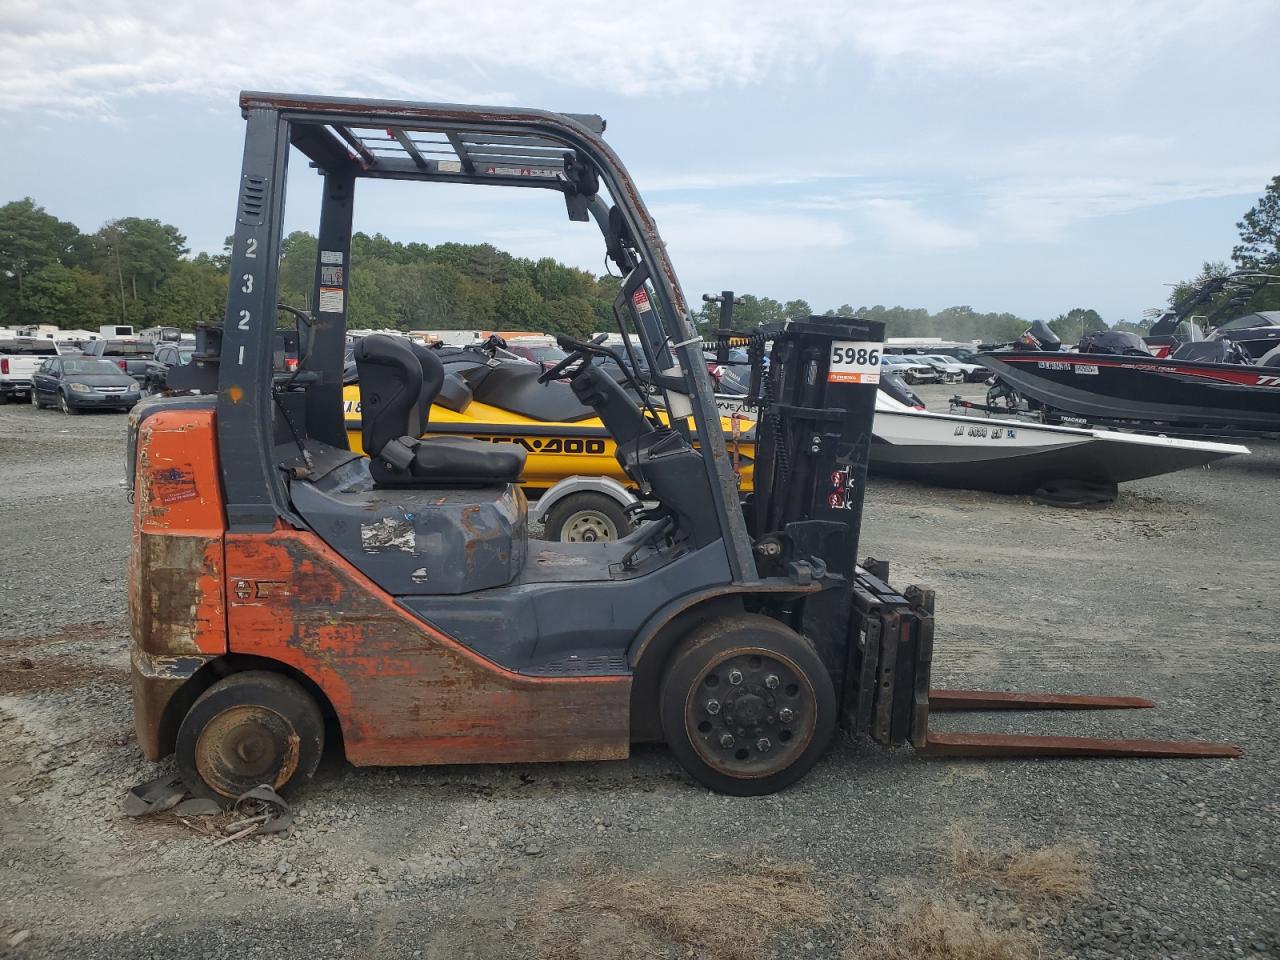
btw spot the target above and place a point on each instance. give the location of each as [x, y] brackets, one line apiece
[404, 692]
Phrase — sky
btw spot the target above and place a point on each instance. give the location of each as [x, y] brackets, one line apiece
[1018, 155]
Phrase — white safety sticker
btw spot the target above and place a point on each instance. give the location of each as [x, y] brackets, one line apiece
[854, 361]
[331, 256]
[449, 166]
[331, 299]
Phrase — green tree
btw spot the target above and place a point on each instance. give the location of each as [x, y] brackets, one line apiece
[134, 256]
[1140, 327]
[1210, 270]
[572, 316]
[297, 269]
[194, 292]
[68, 297]
[520, 307]
[31, 238]
[797, 310]
[1259, 246]
[1075, 323]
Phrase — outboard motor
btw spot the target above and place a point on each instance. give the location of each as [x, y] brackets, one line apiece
[1038, 336]
[1113, 341]
[894, 386]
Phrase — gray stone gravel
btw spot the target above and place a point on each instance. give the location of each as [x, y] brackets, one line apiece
[1170, 593]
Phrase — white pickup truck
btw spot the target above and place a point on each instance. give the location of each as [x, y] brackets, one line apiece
[19, 357]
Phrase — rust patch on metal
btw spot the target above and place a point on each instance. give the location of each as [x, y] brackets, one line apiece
[404, 692]
[155, 681]
[941, 701]
[233, 743]
[1015, 745]
[177, 613]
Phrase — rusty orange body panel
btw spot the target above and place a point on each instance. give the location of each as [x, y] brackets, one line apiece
[177, 608]
[404, 692]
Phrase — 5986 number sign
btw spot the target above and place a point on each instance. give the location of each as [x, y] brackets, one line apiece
[854, 361]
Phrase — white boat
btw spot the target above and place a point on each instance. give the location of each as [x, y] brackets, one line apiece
[1010, 456]
[1015, 456]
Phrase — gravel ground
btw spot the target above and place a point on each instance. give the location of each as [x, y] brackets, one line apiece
[1169, 593]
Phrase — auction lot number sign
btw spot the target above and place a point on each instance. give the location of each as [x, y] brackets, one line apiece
[854, 361]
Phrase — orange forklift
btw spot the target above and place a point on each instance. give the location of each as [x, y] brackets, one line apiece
[284, 590]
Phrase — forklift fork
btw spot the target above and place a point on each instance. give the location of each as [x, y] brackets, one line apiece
[887, 694]
[1018, 745]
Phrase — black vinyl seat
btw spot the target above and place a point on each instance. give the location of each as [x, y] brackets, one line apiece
[399, 379]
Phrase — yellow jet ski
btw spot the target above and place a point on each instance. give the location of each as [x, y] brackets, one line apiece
[571, 472]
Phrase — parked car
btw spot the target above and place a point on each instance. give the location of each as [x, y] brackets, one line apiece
[73, 384]
[545, 355]
[909, 369]
[19, 357]
[134, 356]
[950, 370]
[973, 372]
[168, 355]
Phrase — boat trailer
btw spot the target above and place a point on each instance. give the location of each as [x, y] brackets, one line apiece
[889, 677]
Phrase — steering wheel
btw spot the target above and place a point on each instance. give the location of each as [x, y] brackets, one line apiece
[580, 353]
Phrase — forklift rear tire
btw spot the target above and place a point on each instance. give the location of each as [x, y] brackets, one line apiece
[747, 706]
[586, 518]
[248, 729]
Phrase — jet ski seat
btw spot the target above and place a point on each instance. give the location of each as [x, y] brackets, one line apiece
[399, 380]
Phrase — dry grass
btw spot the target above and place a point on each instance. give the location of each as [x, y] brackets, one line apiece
[1057, 872]
[943, 931]
[731, 913]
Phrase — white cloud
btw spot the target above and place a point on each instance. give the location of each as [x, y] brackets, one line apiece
[86, 55]
[693, 230]
[906, 226]
[1040, 209]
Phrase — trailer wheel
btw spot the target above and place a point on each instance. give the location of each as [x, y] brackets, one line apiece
[248, 729]
[586, 518]
[747, 706]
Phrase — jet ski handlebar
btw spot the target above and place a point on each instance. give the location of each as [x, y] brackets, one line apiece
[580, 351]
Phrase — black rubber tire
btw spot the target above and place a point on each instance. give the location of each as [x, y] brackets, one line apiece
[717, 641]
[65, 407]
[35, 400]
[284, 711]
[566, 512]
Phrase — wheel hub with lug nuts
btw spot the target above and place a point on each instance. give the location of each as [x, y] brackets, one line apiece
[588, 527]
[752, 713]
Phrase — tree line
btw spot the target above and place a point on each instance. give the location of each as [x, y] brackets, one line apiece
[140, 271]
[1257, 251]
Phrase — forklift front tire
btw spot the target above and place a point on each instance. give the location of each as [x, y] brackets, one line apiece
[747, 706]
[248, 729]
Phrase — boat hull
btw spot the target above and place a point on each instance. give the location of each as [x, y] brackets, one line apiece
[1166, 394]
[1007, 456]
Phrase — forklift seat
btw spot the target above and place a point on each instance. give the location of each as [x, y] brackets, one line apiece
[399, 380]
